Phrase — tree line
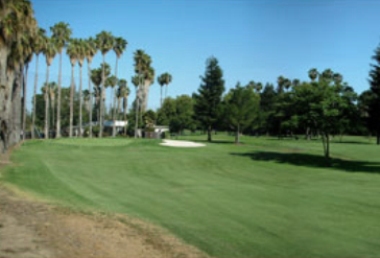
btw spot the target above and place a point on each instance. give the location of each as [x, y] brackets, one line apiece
[21, 39]
[324, 106]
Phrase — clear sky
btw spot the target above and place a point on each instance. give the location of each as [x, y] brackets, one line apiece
[252, 39]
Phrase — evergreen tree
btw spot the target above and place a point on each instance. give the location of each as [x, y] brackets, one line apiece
[208, 100]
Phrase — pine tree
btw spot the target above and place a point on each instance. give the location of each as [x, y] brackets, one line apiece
[209, 97]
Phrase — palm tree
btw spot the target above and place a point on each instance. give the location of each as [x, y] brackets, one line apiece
[136, 82]
[96, 78]
[123, 93]
[17, 30]
[81, 52]
[38, 45]
[90, 53]
[49, 51]
[164, 79]
[52, 90]
[105, 42]
[72, 51]
[313, 74]
[61, 33]
[119, 47]
[112, 82]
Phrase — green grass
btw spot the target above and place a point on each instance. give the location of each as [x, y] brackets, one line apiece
[265, 197]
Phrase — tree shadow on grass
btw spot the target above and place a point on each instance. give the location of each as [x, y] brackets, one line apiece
[309, 160]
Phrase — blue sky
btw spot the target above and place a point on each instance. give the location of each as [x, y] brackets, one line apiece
[252, 39]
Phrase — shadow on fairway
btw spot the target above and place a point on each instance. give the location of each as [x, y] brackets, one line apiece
[315, 161]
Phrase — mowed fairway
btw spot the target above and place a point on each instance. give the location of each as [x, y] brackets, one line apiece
[266, 197]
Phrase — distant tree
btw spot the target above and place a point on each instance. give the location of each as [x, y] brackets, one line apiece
[61, 33]
[73, 53]
[104, 42]
[119, 47]
[164, 79]
[90, 49]
[49, 51]
[81, 51]
[38, 46]
[242, 105]
[209, 96]
[320, 104]
[374, 106]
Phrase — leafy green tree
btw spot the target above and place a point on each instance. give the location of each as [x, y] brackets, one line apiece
[374, 106]
[61, 33]
[242, 106]
[320, 105]
[209, 96]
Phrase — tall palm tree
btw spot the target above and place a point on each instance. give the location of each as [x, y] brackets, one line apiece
[49, 51]
[112, 82]
[81, 52]
[122, 94]
[136, 82]
[164, 79]
[52, 91]
[90, 53]
[104, 42]
[17, 29]
[119, 47]
[61, 33]
[38, 45]
[72, 51]
[96, 78]
[313, 74]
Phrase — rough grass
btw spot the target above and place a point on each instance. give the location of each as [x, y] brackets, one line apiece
[265, 197]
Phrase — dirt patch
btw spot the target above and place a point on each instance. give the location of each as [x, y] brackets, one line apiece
[30, 228]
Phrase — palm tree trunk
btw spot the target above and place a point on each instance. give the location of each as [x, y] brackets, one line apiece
[24, 101]
[47, 105]
[161, 96]
[125, 106]
[35, 98]
[114, 100]
[166, 91]
[71, 102]
[90, 100]
[101, 99]
[137, 111]
[80, 101]
[58, 127]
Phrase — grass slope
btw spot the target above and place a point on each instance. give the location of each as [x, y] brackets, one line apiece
[266, 197]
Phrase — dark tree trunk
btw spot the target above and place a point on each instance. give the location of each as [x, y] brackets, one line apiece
[34, 99]
[90, 101]
[237, 140]
[58, 126]
[209, 139]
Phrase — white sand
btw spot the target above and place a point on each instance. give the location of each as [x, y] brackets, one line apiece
[187, 144]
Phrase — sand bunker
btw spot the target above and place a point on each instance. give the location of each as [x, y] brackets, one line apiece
[187, 144]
